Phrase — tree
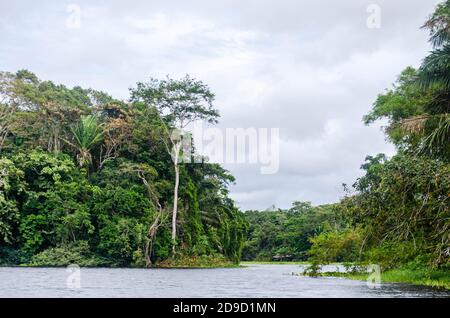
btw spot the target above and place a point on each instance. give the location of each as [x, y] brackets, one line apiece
[53, 119]
[435, 74]
[116, 131]
[146, 174]
[418, 105]
[403, 200]
[53, 213]
[86, 135]
[288, 232]
[11, 186]
[5, 107]
[439, 25]
[418, 119]
[179, 103]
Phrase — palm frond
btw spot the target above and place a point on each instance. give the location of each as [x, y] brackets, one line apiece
[87, 134]
[438, 140]
[414, 125]
[439, 25]
[435, 69]
[210, 217]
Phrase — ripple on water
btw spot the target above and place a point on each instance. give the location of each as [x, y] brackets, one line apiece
[253, 281]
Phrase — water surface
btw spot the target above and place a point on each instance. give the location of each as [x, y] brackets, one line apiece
[252, 281]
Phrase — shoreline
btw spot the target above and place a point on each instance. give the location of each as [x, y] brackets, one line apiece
[439, 279]
[398, 276]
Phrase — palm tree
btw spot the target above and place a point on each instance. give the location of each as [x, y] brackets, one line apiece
[439, 25]
[434, 74]
[435, 70]
[436, 142]
[86, 134]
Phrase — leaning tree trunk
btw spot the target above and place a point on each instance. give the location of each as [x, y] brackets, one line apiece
[151, 234]
[151, 238]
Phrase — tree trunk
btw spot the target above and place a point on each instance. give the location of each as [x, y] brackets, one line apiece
[151, 235]
[151, 238]
[3, 134]
[175, 197]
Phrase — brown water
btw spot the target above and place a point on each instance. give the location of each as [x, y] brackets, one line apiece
[252, 281]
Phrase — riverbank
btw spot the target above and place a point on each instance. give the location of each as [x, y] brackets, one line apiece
[436, 278]
[203, 261]
[244, 263]
[181, 262]
[420, 276]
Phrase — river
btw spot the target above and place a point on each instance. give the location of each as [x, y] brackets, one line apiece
[251, 281]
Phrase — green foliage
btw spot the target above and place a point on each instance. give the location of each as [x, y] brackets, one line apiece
[402, 101]
[120, 239]
[179, 101]
[405, 200]
[344, 246]
[435, 69]
[417, 106]
[86, 135]
[399, 215]
[285, 234]
[214, 260]
[64, 255]
[52, 212]
[404, 274]
[11, 187]
[439, 24]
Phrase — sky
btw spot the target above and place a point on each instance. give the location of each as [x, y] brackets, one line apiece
[312, 69]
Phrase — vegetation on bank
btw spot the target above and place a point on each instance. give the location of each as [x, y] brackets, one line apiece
[244, 263]
[284, 235]
[92, 180]
[417, 276]
[397, 215]
[202, 261]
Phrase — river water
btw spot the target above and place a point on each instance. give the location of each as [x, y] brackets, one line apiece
[252, 281]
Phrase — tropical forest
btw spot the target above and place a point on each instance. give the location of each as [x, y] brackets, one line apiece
[92, 180]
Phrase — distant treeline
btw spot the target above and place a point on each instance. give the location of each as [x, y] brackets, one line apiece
[285, 235]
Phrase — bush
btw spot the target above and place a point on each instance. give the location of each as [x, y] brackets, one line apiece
[330, 247]
[75, 253]
[390, 254]
[9, 256]
[214, 260]
[402, 205]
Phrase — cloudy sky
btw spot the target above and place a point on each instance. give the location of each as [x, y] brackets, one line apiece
[310, 68]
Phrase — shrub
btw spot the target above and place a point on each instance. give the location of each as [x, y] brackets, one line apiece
[74, 253]
[336, 246]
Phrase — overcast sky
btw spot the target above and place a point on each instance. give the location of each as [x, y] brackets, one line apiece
[310, 68]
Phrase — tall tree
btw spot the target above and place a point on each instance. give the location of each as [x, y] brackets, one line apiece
[418, 105]
[116, 122]
[179, 103]
[439, 25]
[435, 74]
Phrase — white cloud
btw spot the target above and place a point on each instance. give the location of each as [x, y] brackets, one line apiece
[311, 69]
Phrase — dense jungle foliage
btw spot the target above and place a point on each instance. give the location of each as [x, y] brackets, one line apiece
[398, 213]
[88, 179]
[284, 235]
